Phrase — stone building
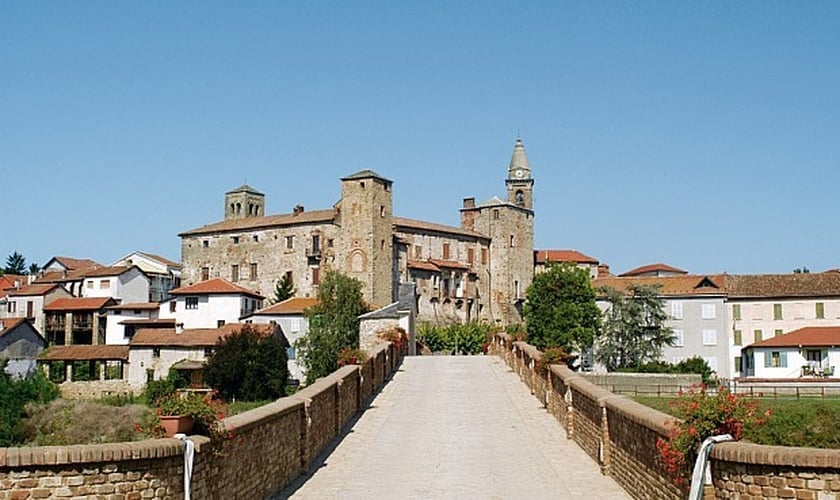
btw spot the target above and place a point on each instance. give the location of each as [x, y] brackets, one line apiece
[478, 271]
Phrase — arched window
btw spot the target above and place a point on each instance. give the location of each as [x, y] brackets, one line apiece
[238, 208]
[520, 198]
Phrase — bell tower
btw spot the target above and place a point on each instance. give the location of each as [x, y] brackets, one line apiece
[520, 184]
[244, 202]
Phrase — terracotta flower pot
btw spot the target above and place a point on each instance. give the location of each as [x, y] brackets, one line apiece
[173, 424]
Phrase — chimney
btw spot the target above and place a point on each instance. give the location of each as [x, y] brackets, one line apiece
[469, 202]
[297, 210]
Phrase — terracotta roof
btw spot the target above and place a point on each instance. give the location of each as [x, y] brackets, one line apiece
[784, 285]
[72, 264]
[449, 264]
[670, 285]
[810, 336]
[84, 353]
[195, 337]
[61, 276]
[312, 217]
[105, 271]
[170, 263]
[33, 289]
[543, 256]
[143, 306]
[416, 225]
[214, 286]
[9, 324]
[423, 265]
[7, 281]
[652, 268]
[244, 189]
[78, 304]
[161, 322]
[293, 305]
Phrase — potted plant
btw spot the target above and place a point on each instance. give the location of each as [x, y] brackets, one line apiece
[181, 412]
[351, 356]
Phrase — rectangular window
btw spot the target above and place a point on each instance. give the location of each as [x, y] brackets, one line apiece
[737, 364]
[445, 251]
[709, 336]
[253, 270]
[256, 238]
[316, 244]
[707, 311]
[736, 311]
[289, 276]
[776, 359]
[11, 307]
[30, 309]
[90, 284]
[294, 325]
[757, 334]
[679, 338]
[677, 309]
[777, 311]
[208, 352]
[220, 323]
[330, 243]
[205, 243]
[290, 242]
[172, 306]
[483, 256]
[235, 240]
[156, 352]
[234, 272]
[820, 310]
[738, 339]
[191, 302]
[778, 332]
[496, 214]
[205, 273]
[316, 276]
[290, 352]
[418, 252]
[470, 255]
[512, 241]
[105, 284]
[516, 288]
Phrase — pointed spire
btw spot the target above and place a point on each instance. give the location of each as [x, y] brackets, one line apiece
[519, 158]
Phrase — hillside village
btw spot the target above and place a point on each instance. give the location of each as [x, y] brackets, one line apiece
[136, 318]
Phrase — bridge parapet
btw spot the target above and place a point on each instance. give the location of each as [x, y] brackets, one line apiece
[620, 435]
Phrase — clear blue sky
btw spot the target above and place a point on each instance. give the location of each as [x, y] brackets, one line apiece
[702, 134]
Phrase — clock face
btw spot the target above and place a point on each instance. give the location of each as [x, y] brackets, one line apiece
[519, 174]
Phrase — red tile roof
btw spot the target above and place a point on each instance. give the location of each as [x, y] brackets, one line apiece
[61, 276]
[157, 322]
[143, 306]
[811, 336]
[783, 285]
[196, 337]
[33, 289]
[423, 266]
[449, 264]
[652, 268]
[291, 306]
[85, 353]
[543, 256]
[164, 260]
[79, 304]
[248, 223]
[104, 271]
[7, 281]
[71, 264]
[669, 285]
[411, 225]
[214, 286]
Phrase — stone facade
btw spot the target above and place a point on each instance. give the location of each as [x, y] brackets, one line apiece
[478, 271]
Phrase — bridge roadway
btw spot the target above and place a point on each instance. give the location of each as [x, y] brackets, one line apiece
[455, 427]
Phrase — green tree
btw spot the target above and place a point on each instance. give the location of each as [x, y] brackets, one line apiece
[15, 394]
[333, 324]
[248, 365]
[561, 309]
[283, 289]
[634, 331]
[34, 268]
[15, 264]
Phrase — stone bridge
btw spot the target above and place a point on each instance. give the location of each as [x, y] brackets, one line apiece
[498, 426]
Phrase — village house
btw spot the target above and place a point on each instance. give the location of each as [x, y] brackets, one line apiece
[20, 344]
[544, 258]
[28, 301]
[76, 320]
[123, 319]
[163, 274]
[210, 304]
[122, 283]
[806, 352]
[479, 270]
[67, 272]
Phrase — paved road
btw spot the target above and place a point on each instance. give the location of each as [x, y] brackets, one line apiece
[456, 427]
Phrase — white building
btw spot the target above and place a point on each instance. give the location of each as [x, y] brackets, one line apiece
[122, 320]
[210, 304]
[806, 352]
[289, 314]
[123, 283]
[28, 302]
[164, 274]
[542, 259]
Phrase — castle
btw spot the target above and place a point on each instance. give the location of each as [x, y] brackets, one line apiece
[478, 271]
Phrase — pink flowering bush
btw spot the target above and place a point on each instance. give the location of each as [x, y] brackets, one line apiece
[702, 413]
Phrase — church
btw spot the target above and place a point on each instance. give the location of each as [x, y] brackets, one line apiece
[478, 271]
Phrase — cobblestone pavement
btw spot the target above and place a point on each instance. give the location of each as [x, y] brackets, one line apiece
[455, 427]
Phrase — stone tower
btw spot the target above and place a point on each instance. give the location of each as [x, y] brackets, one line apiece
[510, 226]
[243, 202]
[520, 185]
[366, 220]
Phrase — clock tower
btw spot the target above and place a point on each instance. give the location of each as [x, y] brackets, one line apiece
[520, 185]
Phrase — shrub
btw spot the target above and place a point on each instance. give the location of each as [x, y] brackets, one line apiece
[396, 335]
[704, 413]
[14, 396]
[351, 356]
[205, 409]
[66, 422]
[455, 338]
[554, 356]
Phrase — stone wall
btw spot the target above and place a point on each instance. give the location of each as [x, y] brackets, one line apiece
[95, 389]
[620, 435]
[266, 448]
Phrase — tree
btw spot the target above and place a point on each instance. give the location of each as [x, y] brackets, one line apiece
[15, 264]
[283, 289]
[801, 270]
[34, 269]
[248, 365]
[634, 330]
[333, 324]
[561, 309]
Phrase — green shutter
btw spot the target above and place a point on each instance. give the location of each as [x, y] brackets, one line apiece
[736, 311]
[737, 337]
[820, 310]
[738, 363]
[777, 333]
[758, 336]
[768, 356]
[777, 311]
[783, 359]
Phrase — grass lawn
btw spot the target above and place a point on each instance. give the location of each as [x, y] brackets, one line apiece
[812, 422]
